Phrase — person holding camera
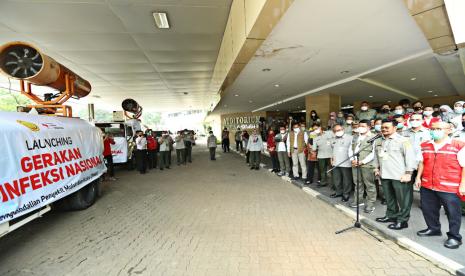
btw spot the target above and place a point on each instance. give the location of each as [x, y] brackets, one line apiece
[141, 153]
[164, 143]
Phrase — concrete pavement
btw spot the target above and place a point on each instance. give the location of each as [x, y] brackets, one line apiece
[206, 218]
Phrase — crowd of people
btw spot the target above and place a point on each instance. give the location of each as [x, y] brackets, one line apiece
[151, 152]
[387, 152]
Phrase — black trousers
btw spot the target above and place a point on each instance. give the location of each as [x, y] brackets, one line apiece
[152, 159]
[238, 145]
[188, 153]
[141, 160]
[431, 202]
[274, 160]
[212, 153]
[109, 159]
[311, 166]
[225, 144]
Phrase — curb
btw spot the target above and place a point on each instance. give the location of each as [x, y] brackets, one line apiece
[437, 259]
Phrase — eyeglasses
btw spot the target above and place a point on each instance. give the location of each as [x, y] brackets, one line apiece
[439, 128]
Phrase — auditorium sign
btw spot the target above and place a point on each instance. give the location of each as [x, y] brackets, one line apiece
[242, 122]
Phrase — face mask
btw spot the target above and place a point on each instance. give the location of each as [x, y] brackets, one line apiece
[416, 123]
[313, 115]
[296, 129]
[339, 133]
[302, 128]
[385, 110]
[317, 131]
[364, 108]
[355, 130]
[340, 115]
[349, 122]
[398, 112]
[458, 110]
[282, 131]
[400, 126]
[437, 134]
[427, 113]
[362, 130]
[378, 128]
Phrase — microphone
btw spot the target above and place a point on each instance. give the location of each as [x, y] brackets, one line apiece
[372, 139]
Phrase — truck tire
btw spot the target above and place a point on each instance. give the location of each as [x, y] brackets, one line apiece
[85, 197]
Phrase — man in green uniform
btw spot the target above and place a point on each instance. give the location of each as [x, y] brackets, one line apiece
[365, 112]
[395, 162]
[365, 167]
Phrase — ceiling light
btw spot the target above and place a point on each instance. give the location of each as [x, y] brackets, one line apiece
[431, 91]
[455, 10]
[161, 20]
[389, 101]
[250, 101]
[370, 96]
[236, 95]
[276, 85]
[266, 70]
[435, 95]
[277, 109]
[413, 79]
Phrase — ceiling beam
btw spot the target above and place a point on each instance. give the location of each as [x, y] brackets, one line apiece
[349, 79]
[387, 87]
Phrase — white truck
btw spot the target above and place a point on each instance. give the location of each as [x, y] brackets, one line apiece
[123, 135]
[46, 161]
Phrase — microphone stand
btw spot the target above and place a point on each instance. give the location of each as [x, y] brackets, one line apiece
[357, 223]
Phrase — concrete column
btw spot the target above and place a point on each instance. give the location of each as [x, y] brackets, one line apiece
[323, 105]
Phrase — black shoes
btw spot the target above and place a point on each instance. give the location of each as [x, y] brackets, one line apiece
[335, 195]
[252, 167]
[398, 225]
[308, 182]
[385, 219]
[452, 243]
[383, 202]
[257, 168]
[344, 199]
[428, 233]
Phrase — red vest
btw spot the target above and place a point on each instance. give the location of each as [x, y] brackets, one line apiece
[442, 171]
[151, 143]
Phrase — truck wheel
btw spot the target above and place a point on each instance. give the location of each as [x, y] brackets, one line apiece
[85, 197]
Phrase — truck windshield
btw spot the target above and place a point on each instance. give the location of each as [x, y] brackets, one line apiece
[117, 130]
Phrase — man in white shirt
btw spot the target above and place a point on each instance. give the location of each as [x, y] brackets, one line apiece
[141, 152]
[296, 144]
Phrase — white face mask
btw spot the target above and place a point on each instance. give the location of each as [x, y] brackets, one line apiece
[362, 130]
[349, 122]
[339, 133]
[282, 131]
[427, 113]
[398, 111]
[317, 131]
[364, 108]
[458, 109]
[296, 129]
[416, 123]
[302, 128]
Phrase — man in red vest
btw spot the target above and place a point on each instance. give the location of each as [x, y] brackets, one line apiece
[442, 180]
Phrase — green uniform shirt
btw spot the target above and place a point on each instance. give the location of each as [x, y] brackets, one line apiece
[366, 115]
[394, 156]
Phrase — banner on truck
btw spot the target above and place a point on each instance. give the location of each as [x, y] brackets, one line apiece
[43, 159]
[119, 150]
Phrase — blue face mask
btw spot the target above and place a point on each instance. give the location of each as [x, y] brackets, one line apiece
[378, 128]
[400, 126]
[437, 134]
